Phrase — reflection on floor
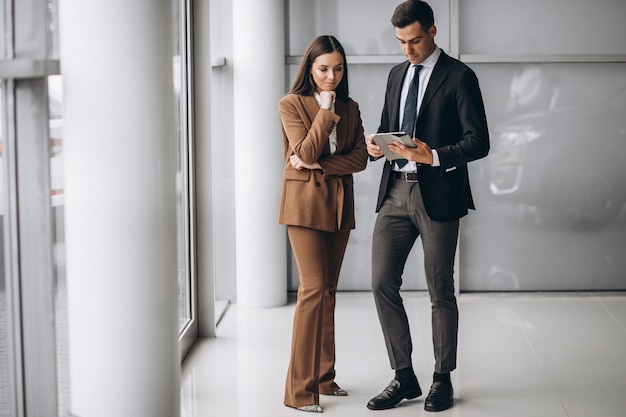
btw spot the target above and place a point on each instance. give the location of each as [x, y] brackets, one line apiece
[520, 355]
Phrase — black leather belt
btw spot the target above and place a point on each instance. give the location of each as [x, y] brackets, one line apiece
[406, 176]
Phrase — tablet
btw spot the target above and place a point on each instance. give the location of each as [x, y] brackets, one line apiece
[384, 139]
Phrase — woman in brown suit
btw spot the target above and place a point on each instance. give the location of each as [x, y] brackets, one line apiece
[323, 144]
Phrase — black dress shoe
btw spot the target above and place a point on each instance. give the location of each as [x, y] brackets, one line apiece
[440, 397]
[393, 394]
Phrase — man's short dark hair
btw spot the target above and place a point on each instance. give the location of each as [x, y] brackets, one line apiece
[411, 11]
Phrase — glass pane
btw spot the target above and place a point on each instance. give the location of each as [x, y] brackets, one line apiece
[361, 30]
[550, 196]
[57, 184]
[3, 30]
[542, 27]
[7, 400]
[53, 29]
[182, 176]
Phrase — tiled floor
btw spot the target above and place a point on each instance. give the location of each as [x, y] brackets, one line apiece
[520, 355]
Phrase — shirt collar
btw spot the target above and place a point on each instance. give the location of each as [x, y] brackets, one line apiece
[432, 59]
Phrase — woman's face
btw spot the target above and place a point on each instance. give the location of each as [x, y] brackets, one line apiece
[327, 71]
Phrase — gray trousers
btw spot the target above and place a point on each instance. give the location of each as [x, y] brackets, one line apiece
[400, 221]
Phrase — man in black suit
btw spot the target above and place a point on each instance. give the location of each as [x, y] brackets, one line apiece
[424, 196]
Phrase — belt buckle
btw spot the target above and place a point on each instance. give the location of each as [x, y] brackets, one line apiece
[406, 177]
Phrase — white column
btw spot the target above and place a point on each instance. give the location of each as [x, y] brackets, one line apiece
[119, 146]
[258, 67]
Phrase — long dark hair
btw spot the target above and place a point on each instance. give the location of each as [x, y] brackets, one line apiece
[304, 84]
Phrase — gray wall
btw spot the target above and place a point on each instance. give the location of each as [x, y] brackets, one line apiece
[550, 204]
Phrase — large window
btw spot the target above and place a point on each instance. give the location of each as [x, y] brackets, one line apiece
[31, 207]
[184, 186]
[7, 333]
[57, 202]
[34, 353]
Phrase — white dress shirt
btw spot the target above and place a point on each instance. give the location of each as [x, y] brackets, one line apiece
[427, 69]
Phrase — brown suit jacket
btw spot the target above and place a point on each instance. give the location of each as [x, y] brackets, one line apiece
[320, 199]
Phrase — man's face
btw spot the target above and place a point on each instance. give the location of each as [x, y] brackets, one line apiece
[417, 44]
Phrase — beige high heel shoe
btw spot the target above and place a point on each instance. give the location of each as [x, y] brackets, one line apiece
[339, 392]
[313, 408]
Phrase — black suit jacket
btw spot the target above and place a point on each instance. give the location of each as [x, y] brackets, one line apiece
[452, 121]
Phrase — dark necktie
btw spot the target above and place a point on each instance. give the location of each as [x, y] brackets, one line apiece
[410, 110]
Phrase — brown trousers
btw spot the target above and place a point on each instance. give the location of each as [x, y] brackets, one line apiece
[312, 366]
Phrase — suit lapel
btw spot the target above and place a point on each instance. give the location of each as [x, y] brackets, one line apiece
[395, 94]
[342, 111]
[311, 108]
[440, 73]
